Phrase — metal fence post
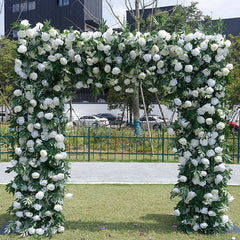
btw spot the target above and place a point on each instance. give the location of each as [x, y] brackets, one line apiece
[89, 144]
[238, 146]
[162, 144]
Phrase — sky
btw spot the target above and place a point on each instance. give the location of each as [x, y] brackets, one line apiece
[215, 8]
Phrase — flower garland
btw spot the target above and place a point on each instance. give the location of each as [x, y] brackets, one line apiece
[52, 65]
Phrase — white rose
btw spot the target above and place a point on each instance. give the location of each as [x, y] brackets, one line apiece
[48, 116]
[188, 68]
[218, 159]
[21, 34]
[35, 175]
[18, 151]
[176, 212]
[156, 57]
[16, 205]
[43, 183]
[98, 85]
[225, 219]
[117, 88]
[173, 82]
[218, 179]
[37, 206]
[17, 109]
[147, 57]
[214, 47]
[209, 121]
[107, 68]
[182, 141]
[207, 58]
[205, 161]
[33, 102]
[33, 76]
[225, 71]
[178, 66]
[116, 71]
[220, 125]
[58, 208]
[31, 231]
[209, 90]
[142, 42]
[171, 131]
[133, 54]
[188, 47]
[129, 90]
[17, 92]
[218, 150]
[22, 49]
[182, 178]
[39, 231]
[39, 195]
[61, 229]
[204, 142]
[177, 102]
[203, 225]
[142, 76]
[200, 119]
[162, 34]
[53, 32]
[195, 93]
[50, 187]
[43, 153]
[195, 52]
[68, 196]
[63, 61]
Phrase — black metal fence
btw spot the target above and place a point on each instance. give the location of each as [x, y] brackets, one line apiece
[112, 144]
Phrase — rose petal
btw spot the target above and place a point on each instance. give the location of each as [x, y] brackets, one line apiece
[102, 227]
[141, 233]
[135, 224]
[149, 237]
[110, 235]
[174, 226]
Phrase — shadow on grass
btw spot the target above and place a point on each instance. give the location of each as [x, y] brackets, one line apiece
[4, 218]
[160, 223]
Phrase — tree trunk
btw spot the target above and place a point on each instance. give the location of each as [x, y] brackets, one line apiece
[136, 116]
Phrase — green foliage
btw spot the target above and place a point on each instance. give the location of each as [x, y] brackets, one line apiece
[7, 57]
[182, 18]
[234, 87]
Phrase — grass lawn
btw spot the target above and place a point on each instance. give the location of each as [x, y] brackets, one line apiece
[126, 212]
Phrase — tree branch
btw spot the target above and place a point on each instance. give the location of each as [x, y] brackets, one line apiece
[113, 13]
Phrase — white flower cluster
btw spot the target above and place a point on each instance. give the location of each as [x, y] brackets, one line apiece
[50, 65]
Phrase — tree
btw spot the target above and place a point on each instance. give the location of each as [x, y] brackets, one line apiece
[8, 54]
[234, 87]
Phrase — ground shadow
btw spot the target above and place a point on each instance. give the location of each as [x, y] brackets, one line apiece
[160, 223]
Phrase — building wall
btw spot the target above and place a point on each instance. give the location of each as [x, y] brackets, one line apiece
[62, 17]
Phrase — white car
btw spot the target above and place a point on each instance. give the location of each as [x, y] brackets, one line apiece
[155, 122]
[90, 121]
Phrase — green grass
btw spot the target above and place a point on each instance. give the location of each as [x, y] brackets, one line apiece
[118, 208]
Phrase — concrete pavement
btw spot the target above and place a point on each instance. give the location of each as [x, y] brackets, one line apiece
[122, 173]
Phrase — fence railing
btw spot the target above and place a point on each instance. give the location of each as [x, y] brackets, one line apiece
[112, 144]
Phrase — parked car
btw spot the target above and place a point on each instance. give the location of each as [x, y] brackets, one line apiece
[155, 121]
[113, 120]
[234, 125]
[90, 121]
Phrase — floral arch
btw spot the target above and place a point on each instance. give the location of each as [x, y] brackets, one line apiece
[192, 68]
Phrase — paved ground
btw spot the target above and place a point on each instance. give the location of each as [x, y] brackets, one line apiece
[123, 173]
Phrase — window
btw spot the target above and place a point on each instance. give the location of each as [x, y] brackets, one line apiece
[15, 8]
[32, 5]
[63, 2]
[15, 33]
[23, 7]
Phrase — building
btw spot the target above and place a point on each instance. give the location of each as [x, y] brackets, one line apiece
[231, 25]
[80, 14]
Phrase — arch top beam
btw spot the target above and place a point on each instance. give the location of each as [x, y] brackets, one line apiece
[191, 68]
